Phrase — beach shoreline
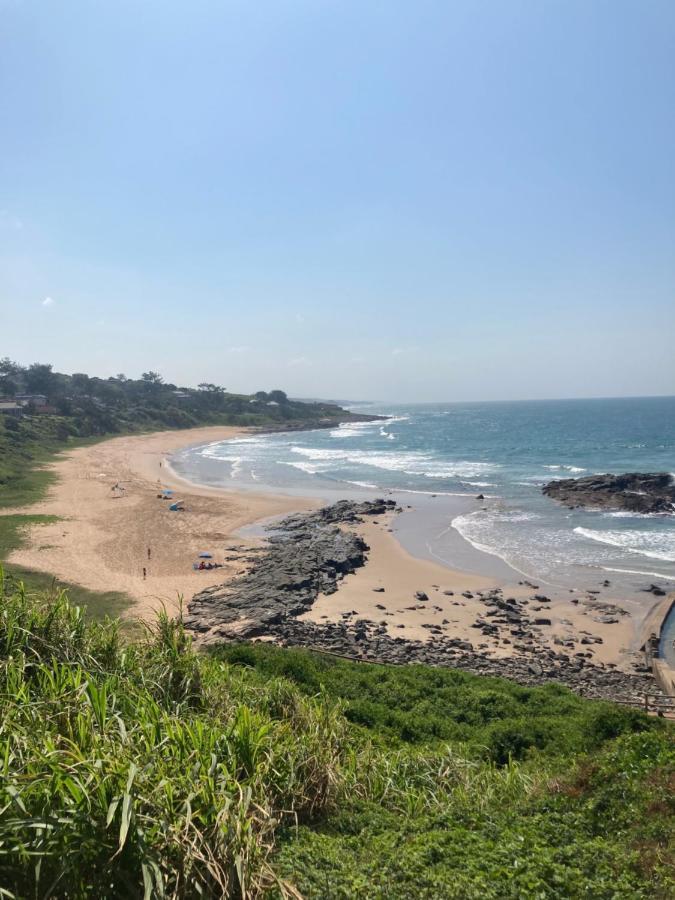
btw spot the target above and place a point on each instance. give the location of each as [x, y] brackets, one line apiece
[127, 540]
[102, 543]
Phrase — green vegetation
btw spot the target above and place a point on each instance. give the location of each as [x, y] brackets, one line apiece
[81, 407]
[141, 769]
[420, 705]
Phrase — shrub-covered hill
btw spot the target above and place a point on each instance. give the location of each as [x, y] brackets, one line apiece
[142, 769]
[80, 407]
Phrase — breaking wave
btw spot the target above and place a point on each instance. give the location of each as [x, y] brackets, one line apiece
[410, 463]
[654, 544]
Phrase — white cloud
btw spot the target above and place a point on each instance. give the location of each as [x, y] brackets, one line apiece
[237, 349]
[48, 301]
[399, 351]
[300, 361]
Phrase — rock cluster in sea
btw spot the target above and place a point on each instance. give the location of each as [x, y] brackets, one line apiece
[633, 492]
[307, 554]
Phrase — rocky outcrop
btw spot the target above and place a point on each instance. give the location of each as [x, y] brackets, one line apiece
[310, 553]
[307, 555]
[634, 492]
[368, 641]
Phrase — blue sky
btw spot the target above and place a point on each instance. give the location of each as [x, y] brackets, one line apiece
[402, 201]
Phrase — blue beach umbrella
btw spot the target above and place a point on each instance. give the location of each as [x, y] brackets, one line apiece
[206, 555]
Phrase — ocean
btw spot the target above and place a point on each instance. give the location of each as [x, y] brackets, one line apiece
[435, 458]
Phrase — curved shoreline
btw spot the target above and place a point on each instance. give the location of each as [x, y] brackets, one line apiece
[101, 543]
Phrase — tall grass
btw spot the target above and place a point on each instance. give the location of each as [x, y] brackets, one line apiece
[137, 768]
[140, 770]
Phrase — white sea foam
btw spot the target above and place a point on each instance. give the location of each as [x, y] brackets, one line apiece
[309, 468]
[659, 575]
[575, 469]
[352, 429]
[410, 462]
[387, 434]
[625, 514]
[364, 484]
[654, 544]
[432, 493]
[470, 527]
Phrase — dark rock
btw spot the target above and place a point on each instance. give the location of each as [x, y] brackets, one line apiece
[420, 595]
[542, 621]
[306, 555]
[656, 590]
[309, 554]
[633, 491]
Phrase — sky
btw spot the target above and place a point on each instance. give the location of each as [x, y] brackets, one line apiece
[405, 201]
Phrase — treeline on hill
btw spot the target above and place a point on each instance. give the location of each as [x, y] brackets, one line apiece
[142, 769]
[80, 406]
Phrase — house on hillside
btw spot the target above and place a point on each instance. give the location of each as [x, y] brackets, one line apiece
[11, 408]
[37, 400]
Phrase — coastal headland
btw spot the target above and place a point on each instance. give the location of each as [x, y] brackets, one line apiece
[114, 532]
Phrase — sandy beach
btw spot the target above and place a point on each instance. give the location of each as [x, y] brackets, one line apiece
[101, 542]
[102, 538]
[401, 575]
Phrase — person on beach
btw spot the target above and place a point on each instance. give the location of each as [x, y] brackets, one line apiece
[148, 553]
[144, 573]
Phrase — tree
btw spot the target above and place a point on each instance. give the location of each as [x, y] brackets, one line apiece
[151, 380]
[40, 378]
[211, 388]
[261, 396]
[8, 368]
[80, 383]
[278, 397]
[9, 373]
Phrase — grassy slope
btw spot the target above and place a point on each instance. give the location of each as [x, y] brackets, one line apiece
[142, 768]
[547, 795]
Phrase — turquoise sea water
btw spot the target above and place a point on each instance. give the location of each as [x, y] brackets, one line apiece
[505, 451]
